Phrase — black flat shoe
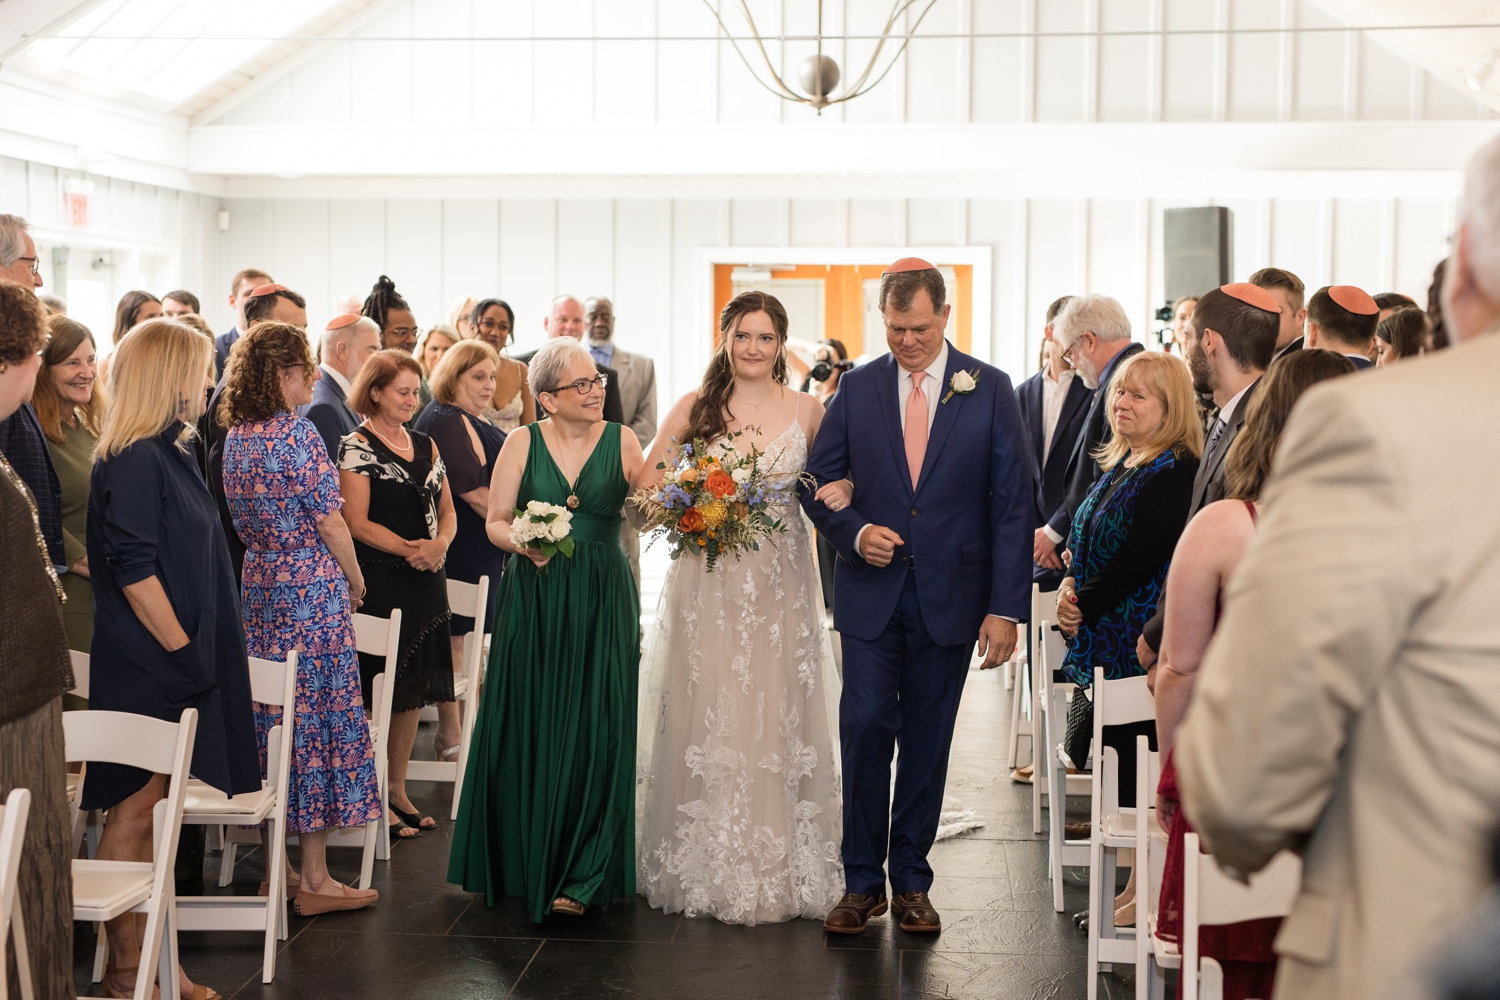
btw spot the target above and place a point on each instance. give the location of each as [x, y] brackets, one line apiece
[416, 821]
[397, 836]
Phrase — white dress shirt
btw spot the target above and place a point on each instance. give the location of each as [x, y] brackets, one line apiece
[339, 380]
[1054, 392]
[1227, 411]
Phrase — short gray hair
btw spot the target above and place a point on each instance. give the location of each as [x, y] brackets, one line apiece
[551, 361]
[1097, 314]
[1479, 213]
[56, 304]
[332, 338]
[13, 230]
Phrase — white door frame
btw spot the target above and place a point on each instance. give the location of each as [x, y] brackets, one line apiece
[979, 257]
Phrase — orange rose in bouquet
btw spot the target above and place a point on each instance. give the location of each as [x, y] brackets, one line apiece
[691, 520]
[720, 483]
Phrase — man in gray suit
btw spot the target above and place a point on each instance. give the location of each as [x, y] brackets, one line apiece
[637, 375]
[348, 342]
[1349, 705]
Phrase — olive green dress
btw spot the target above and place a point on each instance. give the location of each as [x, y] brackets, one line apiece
[548, 805]
[74, 460]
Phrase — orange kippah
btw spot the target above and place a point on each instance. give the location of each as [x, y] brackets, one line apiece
[1251, 295]
[339, 322]
[909, 264]
[267, 290]
[1354, 299]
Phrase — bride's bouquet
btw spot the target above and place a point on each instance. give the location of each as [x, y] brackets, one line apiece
[545, 527]
[715, 501]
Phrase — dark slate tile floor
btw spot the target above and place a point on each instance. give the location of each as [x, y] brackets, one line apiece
[428, 938]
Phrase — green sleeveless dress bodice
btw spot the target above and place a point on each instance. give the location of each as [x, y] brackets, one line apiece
[548, 801]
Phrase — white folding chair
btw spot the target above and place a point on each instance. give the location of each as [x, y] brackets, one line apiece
[1022, 713]
[1111, 828]
[1211, 897]
[1150, 858]
[1059, 784]
[13, 817]
[104, 890]
[81, 824]
[379, 637]
[470, 601]
[271, 683]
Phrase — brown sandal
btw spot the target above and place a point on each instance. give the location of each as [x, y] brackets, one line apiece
[570, 907]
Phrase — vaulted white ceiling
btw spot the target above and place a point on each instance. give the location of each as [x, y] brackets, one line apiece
[184, 91]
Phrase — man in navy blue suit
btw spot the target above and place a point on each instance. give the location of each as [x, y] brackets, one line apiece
[348, 342]
[1053, 404]
[240, 286]
[934, 554]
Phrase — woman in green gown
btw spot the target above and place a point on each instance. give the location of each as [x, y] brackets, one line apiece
[548, 807]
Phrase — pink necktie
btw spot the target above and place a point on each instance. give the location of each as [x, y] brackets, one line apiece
[916, 427]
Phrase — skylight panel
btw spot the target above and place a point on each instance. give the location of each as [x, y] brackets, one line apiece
[171, 49]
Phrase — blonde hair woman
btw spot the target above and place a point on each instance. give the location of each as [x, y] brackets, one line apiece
[167, 630]
[1123, 537]
[458, 316]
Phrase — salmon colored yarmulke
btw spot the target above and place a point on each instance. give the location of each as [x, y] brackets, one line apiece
[339, 322]
[266, 290]
[1251, 295]
[1354, 299]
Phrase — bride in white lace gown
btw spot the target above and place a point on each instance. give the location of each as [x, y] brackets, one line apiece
[738, 796]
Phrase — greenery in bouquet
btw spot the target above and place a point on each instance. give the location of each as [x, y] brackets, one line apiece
[713, 501]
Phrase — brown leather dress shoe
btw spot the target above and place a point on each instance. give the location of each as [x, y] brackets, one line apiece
[853, 912]
[915, 913]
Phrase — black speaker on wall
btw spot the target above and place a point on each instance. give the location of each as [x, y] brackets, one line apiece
[1199, 244]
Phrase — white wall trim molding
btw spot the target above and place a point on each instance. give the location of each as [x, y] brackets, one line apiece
[853, 151]
[981, 257]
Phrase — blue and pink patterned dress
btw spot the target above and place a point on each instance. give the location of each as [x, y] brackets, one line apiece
[279, 482]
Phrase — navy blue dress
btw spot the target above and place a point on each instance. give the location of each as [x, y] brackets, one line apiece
[150, 514]
[471, 555]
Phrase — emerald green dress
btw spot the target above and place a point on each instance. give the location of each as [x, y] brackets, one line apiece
[548, 805]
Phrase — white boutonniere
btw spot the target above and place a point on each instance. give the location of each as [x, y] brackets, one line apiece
[962, 383]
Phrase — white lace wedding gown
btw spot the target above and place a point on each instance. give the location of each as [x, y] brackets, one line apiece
[738, 796]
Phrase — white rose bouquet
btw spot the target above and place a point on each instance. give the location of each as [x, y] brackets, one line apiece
[544, 527]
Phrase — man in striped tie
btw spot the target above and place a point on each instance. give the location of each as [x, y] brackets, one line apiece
[934, 555]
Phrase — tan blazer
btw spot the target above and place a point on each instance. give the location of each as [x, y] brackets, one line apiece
[637, 393]
[1349, 705]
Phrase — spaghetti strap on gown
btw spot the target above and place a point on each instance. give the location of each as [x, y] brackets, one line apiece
[548, 803]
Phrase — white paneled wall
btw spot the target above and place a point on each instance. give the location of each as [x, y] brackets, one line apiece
[641, 253]
[575, 63]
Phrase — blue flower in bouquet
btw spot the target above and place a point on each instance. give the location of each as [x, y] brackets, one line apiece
[674, 497]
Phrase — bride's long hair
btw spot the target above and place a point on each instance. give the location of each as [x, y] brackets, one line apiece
[708, 419]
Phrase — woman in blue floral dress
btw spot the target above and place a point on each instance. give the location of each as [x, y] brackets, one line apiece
[1122, 540]
[300, 575]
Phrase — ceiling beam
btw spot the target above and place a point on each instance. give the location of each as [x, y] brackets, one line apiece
[842, 151]
[24, 21]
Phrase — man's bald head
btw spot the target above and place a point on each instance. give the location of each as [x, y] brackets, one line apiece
[347, 348]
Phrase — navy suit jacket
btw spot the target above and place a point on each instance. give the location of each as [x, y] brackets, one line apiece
[1083, 469]
[330, 414]
[222, 345]
[966, 525]
[1049, 478]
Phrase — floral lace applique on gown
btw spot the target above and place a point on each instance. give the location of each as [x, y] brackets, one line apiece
[740, 804]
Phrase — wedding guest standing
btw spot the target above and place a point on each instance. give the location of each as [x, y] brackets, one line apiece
[430, 350]
[301, 582]
[34, 672]
[548, 806]
[493, 323]
[463, 385]
[134, 308]
[398, 327]
[70, 407]
[241, 288]
[1402, 334]
[459, 316]
[1206, 556]
[400, 511]
[348, 342]
[181, 303]
[167, 631]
